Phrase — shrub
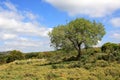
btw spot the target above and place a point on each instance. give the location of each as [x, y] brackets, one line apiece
[3, 59]
[103, 57]
[31, 55]
[110, 47]
[15, 55]
[97, 50]
[45, 55]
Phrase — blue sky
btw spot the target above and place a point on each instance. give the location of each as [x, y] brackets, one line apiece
[24, 25]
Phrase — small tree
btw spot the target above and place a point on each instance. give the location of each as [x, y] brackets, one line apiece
[76, 34]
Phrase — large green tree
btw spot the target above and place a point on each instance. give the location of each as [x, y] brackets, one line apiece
[76, 34]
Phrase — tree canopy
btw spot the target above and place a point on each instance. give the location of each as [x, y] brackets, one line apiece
[75, 34]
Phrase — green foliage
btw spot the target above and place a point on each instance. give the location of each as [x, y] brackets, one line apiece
[3, 59]
[55, 59]
[112, 50]
[15, 55]
[45, 55]
[102, 56]
[110, 47]
[115, 56]
[31, 55]
[75, 34]
[97, 50]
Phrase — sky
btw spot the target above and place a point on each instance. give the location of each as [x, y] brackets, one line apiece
[24, 24]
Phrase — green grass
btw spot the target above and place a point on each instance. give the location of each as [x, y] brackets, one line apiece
[41, 69]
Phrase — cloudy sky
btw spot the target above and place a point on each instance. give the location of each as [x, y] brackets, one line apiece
[24, 24]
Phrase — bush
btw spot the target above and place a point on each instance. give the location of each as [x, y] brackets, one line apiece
[15, 55]
[45, 55]
[97, 50]
[3, 59]
[103, 57]
[110, 47]
[31, 55]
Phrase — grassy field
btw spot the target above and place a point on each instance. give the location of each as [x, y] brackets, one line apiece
[42, 69]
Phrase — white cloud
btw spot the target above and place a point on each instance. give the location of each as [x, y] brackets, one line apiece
[30, 15]
[8, 36]
[115, 35]
[20, 30]
[23, 43]
[10, 6]
[14, 22]
[115, 22]
[93, 8]
[26, 44]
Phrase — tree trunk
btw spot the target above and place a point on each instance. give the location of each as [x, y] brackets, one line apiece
[79, 54]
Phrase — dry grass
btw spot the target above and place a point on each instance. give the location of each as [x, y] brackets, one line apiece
[34, 69]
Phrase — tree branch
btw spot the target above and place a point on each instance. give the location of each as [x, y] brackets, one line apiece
[74, 44]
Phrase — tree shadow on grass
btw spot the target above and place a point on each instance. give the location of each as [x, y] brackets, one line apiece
[61, 61]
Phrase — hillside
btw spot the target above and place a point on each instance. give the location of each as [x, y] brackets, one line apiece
[42, 69]
[94, 64]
